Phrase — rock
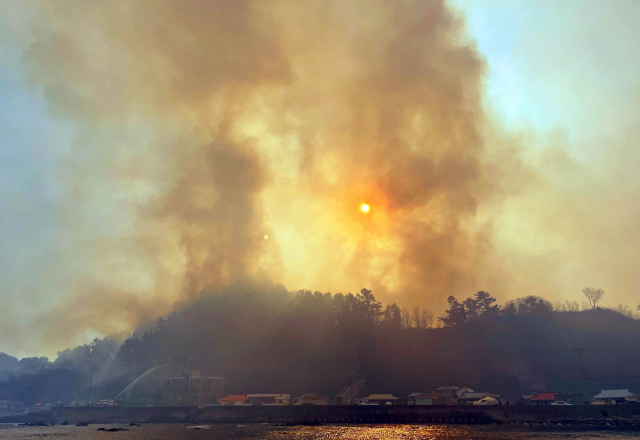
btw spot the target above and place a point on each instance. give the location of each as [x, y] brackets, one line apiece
[82, 424]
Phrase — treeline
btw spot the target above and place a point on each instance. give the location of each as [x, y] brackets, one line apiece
[34, 380]
[272, 340]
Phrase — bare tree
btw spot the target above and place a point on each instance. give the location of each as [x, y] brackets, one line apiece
[416, 316]
[567, 306]
[593, 295]
[406, 318]
[426, 319]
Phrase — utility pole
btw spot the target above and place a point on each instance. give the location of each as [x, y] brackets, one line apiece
[522, 390]
[90, 380]
[584, 375]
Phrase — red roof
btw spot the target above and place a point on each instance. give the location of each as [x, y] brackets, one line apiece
[544, 396]
[235, 398]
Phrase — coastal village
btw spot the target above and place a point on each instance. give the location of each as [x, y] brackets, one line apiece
[192, 389]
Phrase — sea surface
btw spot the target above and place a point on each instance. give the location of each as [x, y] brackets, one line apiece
[334, 432]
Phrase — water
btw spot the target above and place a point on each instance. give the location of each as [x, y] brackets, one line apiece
[339, 432]
[149, 371]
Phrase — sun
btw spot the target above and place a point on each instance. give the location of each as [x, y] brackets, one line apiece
[364, 208]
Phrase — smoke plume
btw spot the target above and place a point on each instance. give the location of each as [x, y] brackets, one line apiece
[233, 141]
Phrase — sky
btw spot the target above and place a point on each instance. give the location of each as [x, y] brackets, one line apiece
[147, 150]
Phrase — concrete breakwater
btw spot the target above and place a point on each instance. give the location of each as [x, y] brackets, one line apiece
[334, 414]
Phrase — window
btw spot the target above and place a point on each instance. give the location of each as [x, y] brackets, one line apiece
[195, 382]
[176, 382]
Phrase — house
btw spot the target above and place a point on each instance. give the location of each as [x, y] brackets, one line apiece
[543, 398]
[269, 399]
[235, 400]
[422, 399]
[463, 390]
[192, 389]
[615, 396]
[446, 395]
[312, 399]
[471, 398]
[381, 399]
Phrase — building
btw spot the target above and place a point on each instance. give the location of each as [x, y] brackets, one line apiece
[192, 389]
[422, 399]
[446, 395]
[542, 398]
[381, 399]
[614, 397]
[235, 400]
[312, 399]
[105, 403]
[463, 390]
[269, 399]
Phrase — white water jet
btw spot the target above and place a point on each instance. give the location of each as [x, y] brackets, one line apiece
[140, 377]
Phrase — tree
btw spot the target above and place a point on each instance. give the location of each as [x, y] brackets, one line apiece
[455, 315]
[392, 316]
[485, 303]
[416, 316]
[593, 295]
[528, 305]
[427, 319]
[406, 318]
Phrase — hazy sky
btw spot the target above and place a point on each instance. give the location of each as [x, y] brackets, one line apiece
[119, 125]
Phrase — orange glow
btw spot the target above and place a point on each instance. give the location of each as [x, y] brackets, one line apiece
[364, 208]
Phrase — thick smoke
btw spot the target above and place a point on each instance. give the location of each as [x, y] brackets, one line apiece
[203, 127]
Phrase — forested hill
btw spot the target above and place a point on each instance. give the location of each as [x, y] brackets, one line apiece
[296, 342]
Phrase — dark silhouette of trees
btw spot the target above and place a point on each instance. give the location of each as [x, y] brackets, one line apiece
[455, 315]
[392, 316]
[480, 305]
[527, 305]
[272, 340]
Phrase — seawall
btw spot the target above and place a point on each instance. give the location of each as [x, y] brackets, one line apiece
[327, 414]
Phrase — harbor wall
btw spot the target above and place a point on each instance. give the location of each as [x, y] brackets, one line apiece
[327, 414]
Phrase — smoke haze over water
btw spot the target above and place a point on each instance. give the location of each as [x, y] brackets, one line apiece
[200, 128]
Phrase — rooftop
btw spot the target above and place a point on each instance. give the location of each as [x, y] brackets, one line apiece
[426, 396]
[314, 397]
[544, 397]
[613, 394]
[472, 395]
[235, 398]
[381, 397]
